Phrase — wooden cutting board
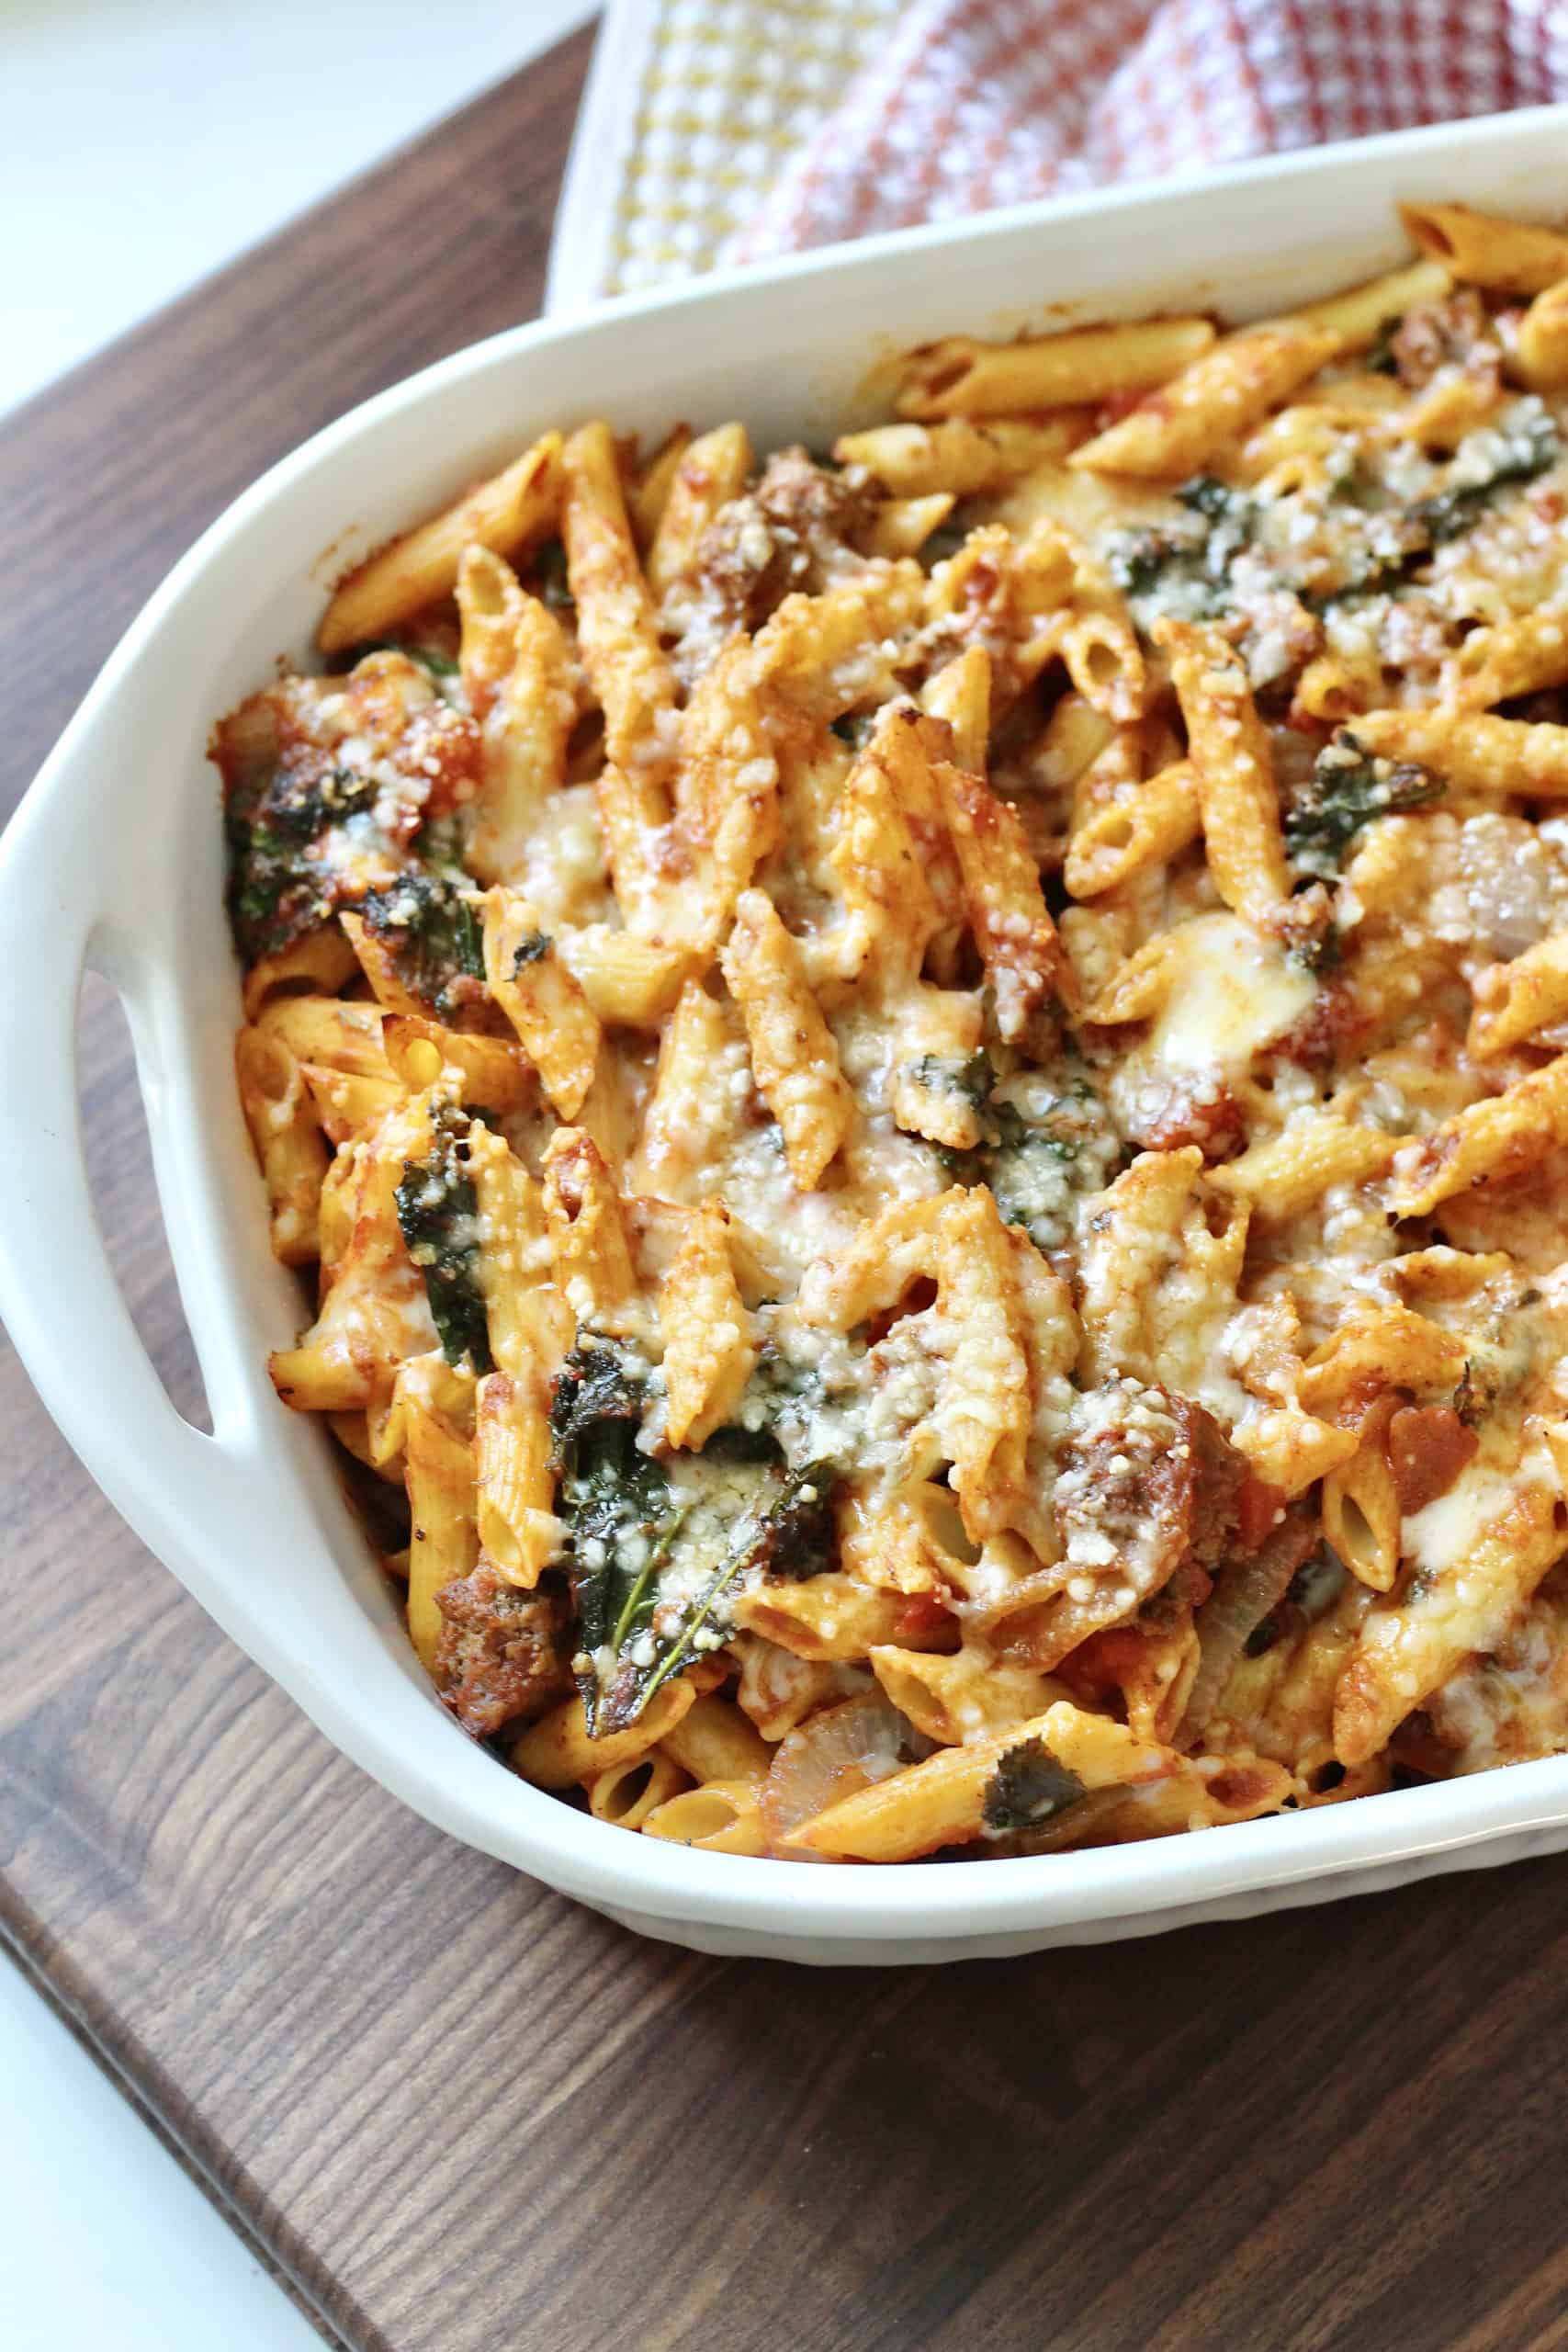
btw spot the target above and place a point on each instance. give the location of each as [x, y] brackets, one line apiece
[462, 2115]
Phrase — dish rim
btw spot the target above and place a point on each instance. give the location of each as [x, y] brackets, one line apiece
[487, 1806]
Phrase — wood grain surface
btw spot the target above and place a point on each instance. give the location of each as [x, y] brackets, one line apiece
[465, 2116]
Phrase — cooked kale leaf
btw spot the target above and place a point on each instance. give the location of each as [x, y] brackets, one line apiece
[1027, 1789]
[1526, 453]
[969, 1076]
[592, 1385]
[1042, 1147]
[439, 1217]
[1412, 534]
[1188, 559]
[277, 890]
[1349, 787]
[1382, 358]
[783, 1528]
[658, 1551]
[616, 1501]
[797, 1532]
[1207, 496]
[431, 922]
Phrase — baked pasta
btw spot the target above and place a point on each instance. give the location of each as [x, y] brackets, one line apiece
[927, 1089]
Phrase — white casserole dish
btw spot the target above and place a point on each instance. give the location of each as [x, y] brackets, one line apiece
[114, 862]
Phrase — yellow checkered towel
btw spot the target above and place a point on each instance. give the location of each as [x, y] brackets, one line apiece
[693, 111]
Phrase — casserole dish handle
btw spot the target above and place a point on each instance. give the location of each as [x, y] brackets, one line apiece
[66, 871]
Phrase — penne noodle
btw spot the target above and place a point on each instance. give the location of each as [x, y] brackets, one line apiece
[511, 511]
[1473, 750]
[1232, 762]
[722, 1818]
[1543, 337]
[1479, 249]
[959, 376]
[1229, 387]
[286, 1137]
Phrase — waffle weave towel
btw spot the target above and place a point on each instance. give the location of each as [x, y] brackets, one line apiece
[721, 130]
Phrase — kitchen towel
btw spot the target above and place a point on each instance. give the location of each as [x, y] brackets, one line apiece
[716, 132]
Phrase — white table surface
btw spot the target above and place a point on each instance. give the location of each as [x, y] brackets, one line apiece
[145, 142]
[143, 145]
[104, 2239]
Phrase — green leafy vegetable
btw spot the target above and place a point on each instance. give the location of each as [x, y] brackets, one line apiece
[789, 1404]
[439, 1217]
[594, 1384]
[616, 1501]
[1381, 359]
[1188, 559]
[1347, 789]
[1212, 498]
[1529, 449]
[1044, 1144]
[969, 1076]
[276, 889]
[1526, 452]
[796, 1530]
[783, 1532]
[431, 921]
[1307, 931]
[1028, 1787]
[658, 1551]
[1142, 556]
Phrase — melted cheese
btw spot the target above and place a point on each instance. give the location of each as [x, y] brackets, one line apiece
[1439, 1536]
[1232, 991]
[1448, 1531]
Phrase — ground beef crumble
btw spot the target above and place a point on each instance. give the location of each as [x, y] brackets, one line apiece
[795, 530]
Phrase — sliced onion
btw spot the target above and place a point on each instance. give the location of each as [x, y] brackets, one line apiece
[835, 1753]
[1245, 1591]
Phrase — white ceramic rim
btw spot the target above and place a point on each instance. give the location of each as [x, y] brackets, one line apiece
[71, 1327]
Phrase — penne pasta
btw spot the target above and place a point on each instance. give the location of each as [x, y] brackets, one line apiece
[1232, 763]
[1230, 386]
[793, 1050]
[286, 1137]
[960, 377]
[1543, 338]
[512, 511]
[1479, 249]
[1474, 751]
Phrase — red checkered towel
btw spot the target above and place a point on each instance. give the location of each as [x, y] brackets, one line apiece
[976, 103]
